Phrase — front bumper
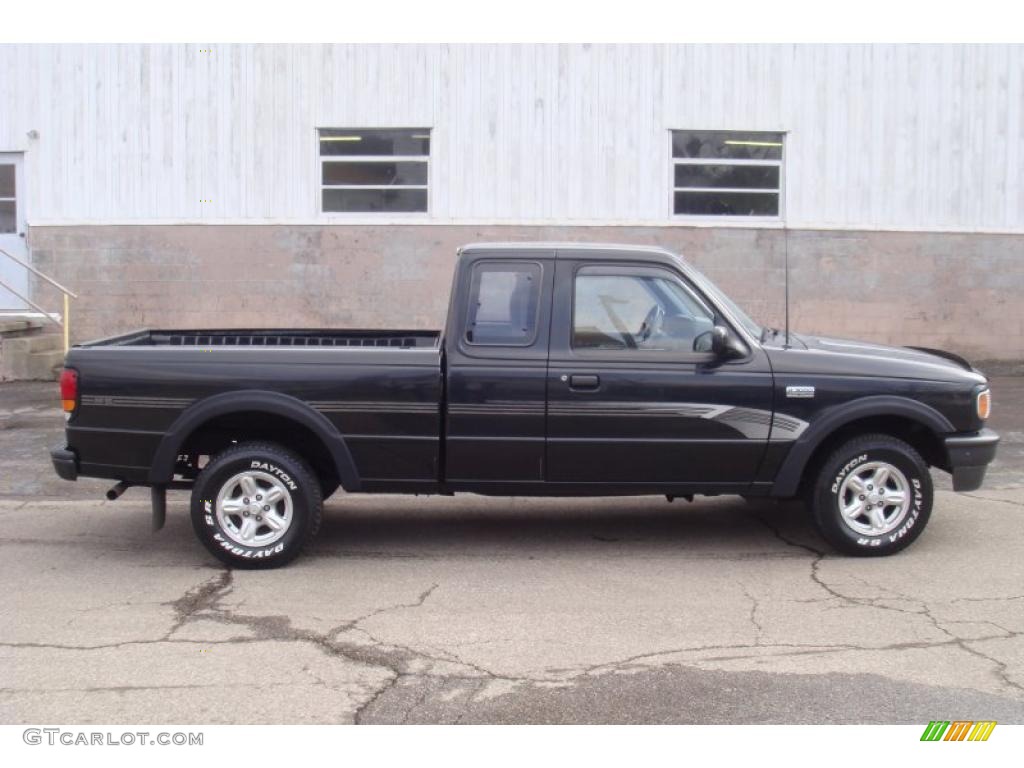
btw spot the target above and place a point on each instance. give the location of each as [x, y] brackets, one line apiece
[969, 456]
[65, 462]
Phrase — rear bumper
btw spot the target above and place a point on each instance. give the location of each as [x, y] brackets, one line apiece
[969, 456]
[65, 462]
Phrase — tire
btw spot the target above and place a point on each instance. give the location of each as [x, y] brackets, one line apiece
[878, 520]
[244, 530]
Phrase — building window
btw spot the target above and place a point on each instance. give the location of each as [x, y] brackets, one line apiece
[8, 203]
[726, 173]
[374, 171]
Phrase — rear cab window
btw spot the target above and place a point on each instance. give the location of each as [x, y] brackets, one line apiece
[504, 298]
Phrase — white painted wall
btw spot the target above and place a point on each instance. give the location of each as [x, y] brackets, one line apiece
[928, 137]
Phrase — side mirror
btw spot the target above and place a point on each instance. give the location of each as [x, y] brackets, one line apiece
[725, 345]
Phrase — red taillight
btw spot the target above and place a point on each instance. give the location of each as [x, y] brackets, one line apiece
[69, 389]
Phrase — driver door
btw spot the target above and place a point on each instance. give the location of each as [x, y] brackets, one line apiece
[635, 397]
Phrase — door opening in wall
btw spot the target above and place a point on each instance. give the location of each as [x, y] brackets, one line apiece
[12, 230]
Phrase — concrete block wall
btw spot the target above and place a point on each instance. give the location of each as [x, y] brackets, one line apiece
[30, 349]
[961, 292]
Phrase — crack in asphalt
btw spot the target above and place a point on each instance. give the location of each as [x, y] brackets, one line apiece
[354, 623]
[1001, 671]
[205, 602]
[130, 688]
[794, 649]
[754, 605]
[989, 498]
[200, 597]
[986, 599]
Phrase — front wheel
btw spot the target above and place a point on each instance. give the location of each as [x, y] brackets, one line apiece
[256, 505]
[872, 496]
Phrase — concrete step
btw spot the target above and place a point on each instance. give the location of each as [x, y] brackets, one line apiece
[41, 364]
[22, 363]
[27, 323]
[25, 345]
[30, 346]
[17, 325]
[47, 342]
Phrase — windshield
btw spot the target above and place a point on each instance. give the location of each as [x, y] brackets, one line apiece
[720, 298]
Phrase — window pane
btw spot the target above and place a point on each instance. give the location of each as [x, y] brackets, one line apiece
[406, 141]
[377, 174]
[374, 200]
[7, 223]
[735, 176]
[644, 313]
[748, 145]
[503, 304]
[727, 203]
[6, 181]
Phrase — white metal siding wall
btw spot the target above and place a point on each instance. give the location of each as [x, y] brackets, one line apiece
[878, 136]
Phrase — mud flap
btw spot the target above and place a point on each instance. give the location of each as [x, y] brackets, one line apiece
[158, 496]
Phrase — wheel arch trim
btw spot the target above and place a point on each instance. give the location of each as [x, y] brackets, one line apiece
[788, 478]
[276, 403]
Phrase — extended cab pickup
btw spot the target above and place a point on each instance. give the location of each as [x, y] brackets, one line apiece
[564, 369]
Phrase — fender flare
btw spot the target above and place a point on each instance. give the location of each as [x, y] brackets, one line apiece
[162, 469]
[787, 480]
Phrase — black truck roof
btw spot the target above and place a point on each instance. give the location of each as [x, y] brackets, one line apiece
[571, 250]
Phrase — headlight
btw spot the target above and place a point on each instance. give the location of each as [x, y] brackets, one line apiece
[983, 403]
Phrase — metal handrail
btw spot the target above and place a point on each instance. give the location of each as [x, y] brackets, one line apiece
[32, 304]
[64, 323]
[36, 272]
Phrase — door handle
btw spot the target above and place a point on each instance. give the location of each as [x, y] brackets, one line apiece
[584, 381]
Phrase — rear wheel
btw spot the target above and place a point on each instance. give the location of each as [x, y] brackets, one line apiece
[256, 505]
[872, 496]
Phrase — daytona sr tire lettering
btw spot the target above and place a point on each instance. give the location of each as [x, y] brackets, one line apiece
[872, 496]
[256, 505]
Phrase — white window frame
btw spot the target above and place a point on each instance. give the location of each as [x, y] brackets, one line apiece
[733, 219]
[18, 202]
[372, 215]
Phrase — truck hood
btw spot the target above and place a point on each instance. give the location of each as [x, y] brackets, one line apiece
[827, 355]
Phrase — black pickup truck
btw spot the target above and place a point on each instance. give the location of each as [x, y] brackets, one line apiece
[564, 370]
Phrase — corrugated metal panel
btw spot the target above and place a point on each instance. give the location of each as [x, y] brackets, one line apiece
[878, 136]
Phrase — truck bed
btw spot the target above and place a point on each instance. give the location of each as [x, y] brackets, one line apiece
[273, 337]
[380, 389]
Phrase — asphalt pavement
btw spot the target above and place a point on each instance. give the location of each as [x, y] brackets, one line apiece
[478, 610]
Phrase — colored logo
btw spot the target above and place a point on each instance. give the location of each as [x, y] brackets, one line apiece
[958, 730]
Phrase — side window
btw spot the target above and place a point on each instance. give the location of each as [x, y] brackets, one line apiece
[646, 311]
[503, 299]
